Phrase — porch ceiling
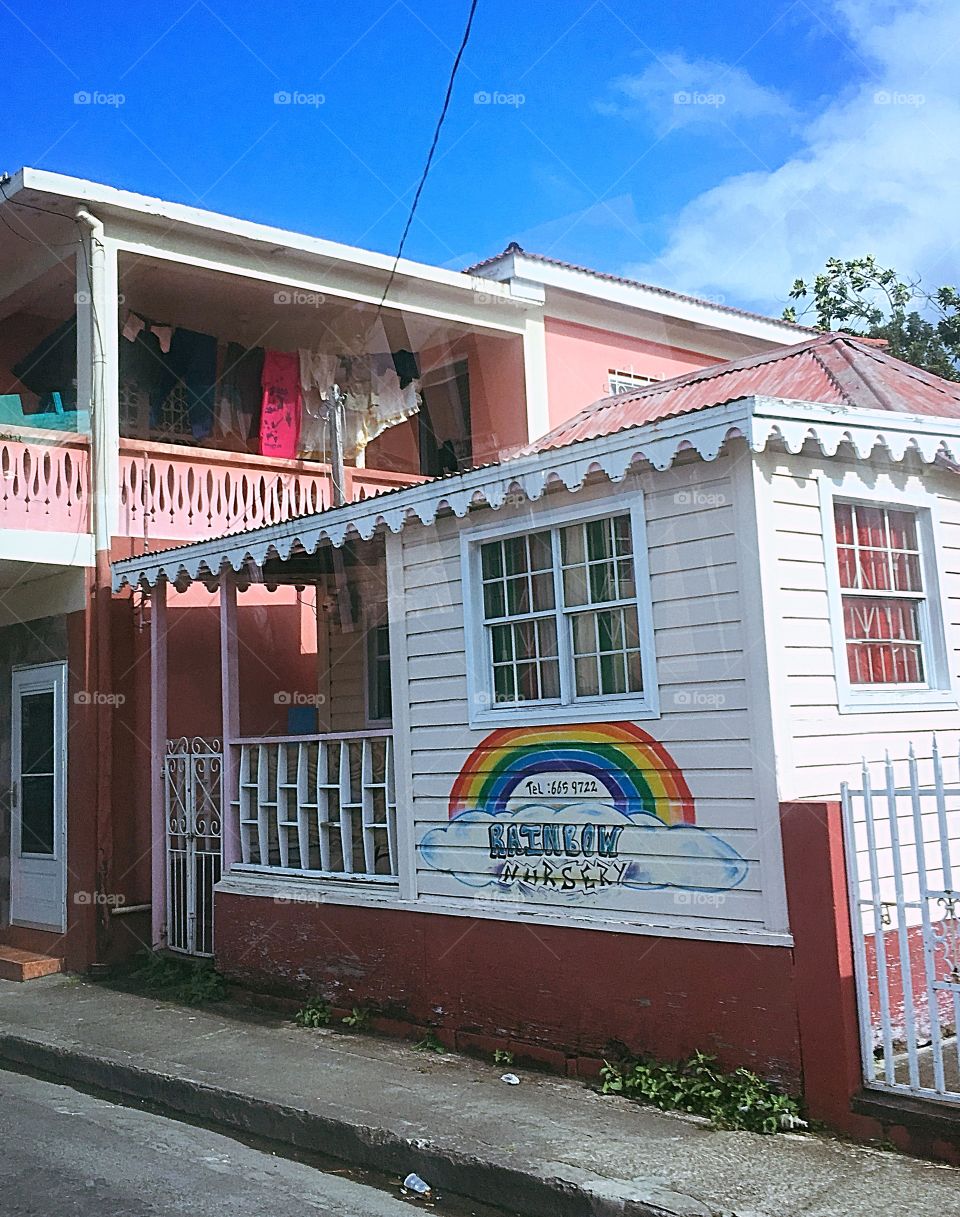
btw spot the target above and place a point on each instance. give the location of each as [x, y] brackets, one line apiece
[758, 421]
[256, 312]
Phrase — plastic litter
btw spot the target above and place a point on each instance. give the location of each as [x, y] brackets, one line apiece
[511, 1079]
[413, 1183]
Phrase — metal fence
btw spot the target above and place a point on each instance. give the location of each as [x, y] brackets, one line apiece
[902, 844]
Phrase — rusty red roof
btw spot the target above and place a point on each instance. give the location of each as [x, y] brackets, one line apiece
[834, 369]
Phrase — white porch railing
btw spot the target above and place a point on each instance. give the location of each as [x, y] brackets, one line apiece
[318, 805]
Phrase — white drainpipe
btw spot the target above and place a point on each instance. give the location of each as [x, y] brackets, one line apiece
[101, 443]
[104, 467]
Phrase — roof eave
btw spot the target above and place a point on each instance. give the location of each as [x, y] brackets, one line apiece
[757, 420]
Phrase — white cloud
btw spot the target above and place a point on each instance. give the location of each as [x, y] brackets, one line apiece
[605, 848]
[674, 92]
[878, 172]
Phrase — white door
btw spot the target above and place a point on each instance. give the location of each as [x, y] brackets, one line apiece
[38, 845]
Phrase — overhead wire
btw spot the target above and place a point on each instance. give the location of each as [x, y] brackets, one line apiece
[429, 161]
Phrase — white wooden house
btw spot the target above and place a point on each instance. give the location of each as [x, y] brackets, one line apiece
[611, 660]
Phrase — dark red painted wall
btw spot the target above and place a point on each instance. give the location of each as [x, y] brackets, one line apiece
[572, 990]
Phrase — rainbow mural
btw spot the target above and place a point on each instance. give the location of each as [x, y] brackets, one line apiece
[635, 771]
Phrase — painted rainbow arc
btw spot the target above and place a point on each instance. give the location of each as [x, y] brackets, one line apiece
[637, 772]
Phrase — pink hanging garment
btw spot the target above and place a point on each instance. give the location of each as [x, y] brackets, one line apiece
[281, 409]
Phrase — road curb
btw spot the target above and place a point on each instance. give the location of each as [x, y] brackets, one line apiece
[545, 1194]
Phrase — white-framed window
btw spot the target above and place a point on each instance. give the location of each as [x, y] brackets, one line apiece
[379, 692]
[558, 617]
[885, 607]
[625, 380]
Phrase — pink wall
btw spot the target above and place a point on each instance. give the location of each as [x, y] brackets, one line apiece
[580, 357]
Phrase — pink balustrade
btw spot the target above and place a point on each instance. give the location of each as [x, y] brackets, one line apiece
[174, 493]
[44, 483]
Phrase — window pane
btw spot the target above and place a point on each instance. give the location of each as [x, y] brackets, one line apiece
[871, 529]
[575, 586]
[503, 686]
[36, 815]
[902, 526]
[525, 639]
[622, 538]
[528, 687]
[613, 673]
[541, 551]
[584, 634]
[874, 570]
[36, 735]
[493, 601]
[515, 555]
[518, 596]
[906, 573]
[631, 626]
[843, 518]
[547, 636]
[847, 559]
[543, 592]
[491, 559]
[628, 584]
[550, 679]
[883, 640]
[587, 677]
[598, 539]
[571, 545]
[502, 643]
[603, 585]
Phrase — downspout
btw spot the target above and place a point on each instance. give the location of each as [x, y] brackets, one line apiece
[102, 595]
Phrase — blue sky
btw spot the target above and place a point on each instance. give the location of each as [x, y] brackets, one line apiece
[720, 147]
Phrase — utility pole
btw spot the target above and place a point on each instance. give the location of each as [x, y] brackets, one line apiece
[334, 417]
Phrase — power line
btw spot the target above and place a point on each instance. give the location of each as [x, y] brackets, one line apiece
[429, 161]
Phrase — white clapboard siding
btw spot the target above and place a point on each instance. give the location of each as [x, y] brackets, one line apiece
[706, 719]
[824, 745]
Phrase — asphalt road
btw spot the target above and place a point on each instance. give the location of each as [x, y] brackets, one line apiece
[67, 1154]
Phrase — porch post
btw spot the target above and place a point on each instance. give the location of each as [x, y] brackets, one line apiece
[158, 749]
[230, 706]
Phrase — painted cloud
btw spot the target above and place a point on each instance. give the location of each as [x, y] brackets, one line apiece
[578, 850]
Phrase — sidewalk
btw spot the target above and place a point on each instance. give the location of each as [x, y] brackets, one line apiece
[547, 1148]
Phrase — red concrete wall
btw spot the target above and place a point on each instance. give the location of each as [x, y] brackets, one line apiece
[826, 996]
[571, 991]
[897, 992]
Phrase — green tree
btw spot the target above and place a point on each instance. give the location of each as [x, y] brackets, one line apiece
[860, 297]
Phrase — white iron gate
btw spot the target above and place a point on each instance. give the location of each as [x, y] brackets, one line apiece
[193, 772]
[902, 844]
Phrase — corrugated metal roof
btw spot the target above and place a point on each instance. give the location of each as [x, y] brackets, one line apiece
[834, 369]
[514, 248]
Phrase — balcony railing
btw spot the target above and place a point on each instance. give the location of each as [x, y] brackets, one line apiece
[167, 492]
[176, 493]
[44, 482]
[318, 805]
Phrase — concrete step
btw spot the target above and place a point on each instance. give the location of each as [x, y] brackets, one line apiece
[26, 965]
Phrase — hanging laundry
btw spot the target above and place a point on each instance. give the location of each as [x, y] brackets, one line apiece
[407, 366]
[163, 333]
[193, 358]
[50, 370]
[132, 326]
[237, 413]
[318, 372]
[281, 404]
